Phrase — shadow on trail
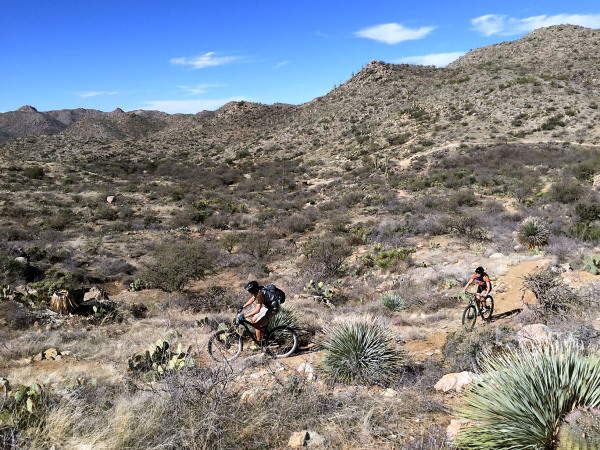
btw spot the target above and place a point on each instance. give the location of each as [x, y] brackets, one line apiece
[506, 314]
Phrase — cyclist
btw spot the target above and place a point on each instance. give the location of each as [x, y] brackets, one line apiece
[484, 286]
[266, 308]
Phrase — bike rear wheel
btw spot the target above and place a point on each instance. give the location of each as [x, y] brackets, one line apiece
[281, 342]
[225, 345]
[469, 316]
[489, 300]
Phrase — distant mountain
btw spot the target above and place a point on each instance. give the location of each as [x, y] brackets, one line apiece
[542, 87]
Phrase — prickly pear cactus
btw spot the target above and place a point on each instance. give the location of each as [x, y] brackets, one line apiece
[580, 430]
[159, 359]
[593, 263]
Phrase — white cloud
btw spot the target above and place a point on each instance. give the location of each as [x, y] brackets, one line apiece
[189, 106]
[393, 33]
[281, 64]
[209, 59]
[199, 88]
[434, 59]
[503, 25]
[88, 94]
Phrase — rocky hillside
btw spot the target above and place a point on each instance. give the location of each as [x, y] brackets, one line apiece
[543, 87]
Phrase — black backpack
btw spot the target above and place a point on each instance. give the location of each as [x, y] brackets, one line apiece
[272, 294]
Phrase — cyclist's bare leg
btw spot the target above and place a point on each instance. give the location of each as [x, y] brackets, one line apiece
[258, 330]
[481, 299]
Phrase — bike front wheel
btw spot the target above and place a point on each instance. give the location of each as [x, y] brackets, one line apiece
[489, 300]
[281, 342]
[469, 316]
[225, 346]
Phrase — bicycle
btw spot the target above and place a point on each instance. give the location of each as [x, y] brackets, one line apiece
[474, 309]
[226, 345]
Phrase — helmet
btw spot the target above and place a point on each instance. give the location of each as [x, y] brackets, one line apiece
[479, 270]
[251, 286]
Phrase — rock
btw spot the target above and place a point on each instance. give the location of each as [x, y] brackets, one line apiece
[455, 427]
[254, 395]
[518, 248]
[4, 388]
[596, 181]
[95, 293]
[306, 438]
[497, 256]
[21, 260]
[454, 381]
[51, 353]
[110, 199]
[306, 369]
[534, 333]
[390, 393]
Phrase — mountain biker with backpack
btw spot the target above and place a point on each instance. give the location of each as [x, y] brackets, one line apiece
[484, 285]
[268, 300]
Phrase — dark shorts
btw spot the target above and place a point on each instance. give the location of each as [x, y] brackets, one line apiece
[481, 288]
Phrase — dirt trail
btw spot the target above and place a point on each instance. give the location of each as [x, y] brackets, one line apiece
[508, 295]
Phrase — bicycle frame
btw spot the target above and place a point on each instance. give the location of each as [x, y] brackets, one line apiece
[236, 326]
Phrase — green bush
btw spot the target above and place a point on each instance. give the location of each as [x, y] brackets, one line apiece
[463, 347]
[35, 173]
[174, 265]
[361, 350]
[524, 392]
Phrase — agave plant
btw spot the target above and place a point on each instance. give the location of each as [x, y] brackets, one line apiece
[525, 392]
[533, 232]
[361, 350]
[393, 301]
[285, 318]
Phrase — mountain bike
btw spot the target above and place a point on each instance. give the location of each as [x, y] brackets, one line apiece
[474, 309]
[226, 345]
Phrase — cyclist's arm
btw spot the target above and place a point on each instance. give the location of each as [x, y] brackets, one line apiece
[249, 302]
[260, 300]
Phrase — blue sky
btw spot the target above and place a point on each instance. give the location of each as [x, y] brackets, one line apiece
[187, 56]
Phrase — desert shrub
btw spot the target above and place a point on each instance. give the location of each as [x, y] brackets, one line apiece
[11, 270]
[54, 280]
[463, 348]
[566, 191]
[257, 244]
[393, 301]
[587, 211]
[386, 259]
[533, 232]
[35, 172]
[463, 197]
[554, 299]
[525, 392]
[229, 241]
[60, 221]
[176, 263]
[296, 223]
[468, 226]
[324, 257]
[361, 350]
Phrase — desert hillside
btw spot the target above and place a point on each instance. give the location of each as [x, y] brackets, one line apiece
[370, 207]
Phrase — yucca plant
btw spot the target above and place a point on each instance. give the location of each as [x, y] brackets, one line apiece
[533, 232]
[525, 392]
[393, 301]
[285, 318]
[361, 350]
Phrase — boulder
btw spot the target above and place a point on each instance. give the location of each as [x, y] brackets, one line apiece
[4, 388]
[306, 438]
[110, 199]
[306, 369]
[95, 293]
[534, 333]
[455, 427]
[497, 256]
[454, 382]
